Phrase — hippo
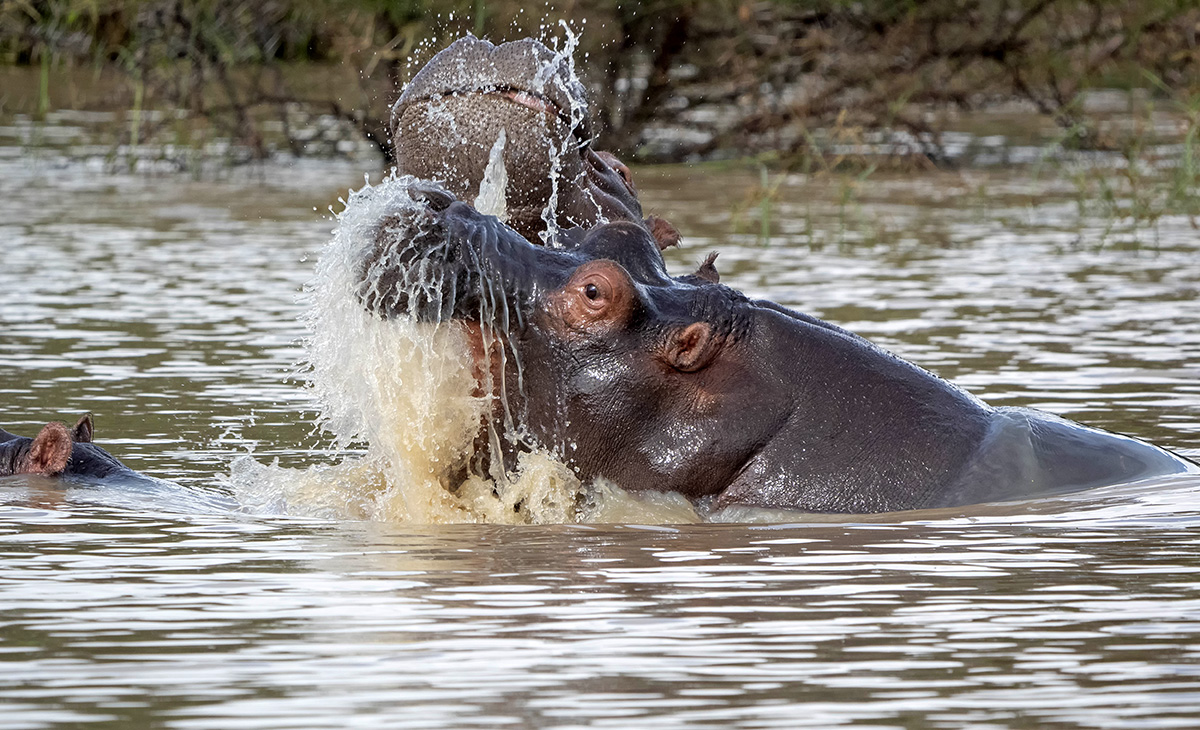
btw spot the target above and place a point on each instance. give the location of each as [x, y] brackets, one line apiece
[450, 115]
[683, 384]
[59, 451]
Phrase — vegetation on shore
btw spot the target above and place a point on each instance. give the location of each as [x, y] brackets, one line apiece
[781, 73]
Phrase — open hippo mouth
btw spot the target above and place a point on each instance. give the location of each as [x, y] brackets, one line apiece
[449, 117]
[538, 103]
[524, 72]
[532, 100]
[682, 384]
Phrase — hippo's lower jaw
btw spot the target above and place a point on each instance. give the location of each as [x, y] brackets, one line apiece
[681, 384]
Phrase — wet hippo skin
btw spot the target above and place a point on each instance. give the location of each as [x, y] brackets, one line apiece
[450, 115]
[683, 384]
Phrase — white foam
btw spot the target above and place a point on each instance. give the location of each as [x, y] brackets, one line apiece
[411, 393]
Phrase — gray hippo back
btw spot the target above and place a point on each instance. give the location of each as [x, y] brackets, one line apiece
[1027, 453]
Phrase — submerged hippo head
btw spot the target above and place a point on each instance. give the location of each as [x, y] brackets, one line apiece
[449, 117]
[59, 451]
[682, 384]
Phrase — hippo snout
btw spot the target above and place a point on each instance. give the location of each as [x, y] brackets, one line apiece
[526, 72]
[438, 258]
[522, 97]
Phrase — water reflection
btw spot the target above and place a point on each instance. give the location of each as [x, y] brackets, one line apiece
[167, 306]
[213, 622]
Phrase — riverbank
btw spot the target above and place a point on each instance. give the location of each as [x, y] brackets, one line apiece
[800, 83]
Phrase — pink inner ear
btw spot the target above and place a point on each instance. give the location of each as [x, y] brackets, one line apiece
[50, 451]
[665, 235]
[693, 347]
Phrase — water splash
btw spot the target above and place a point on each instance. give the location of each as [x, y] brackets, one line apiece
[424, 398]
[414, 394]
[492, 198]
[564, 56]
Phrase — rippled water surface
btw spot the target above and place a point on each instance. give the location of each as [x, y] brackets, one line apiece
[168, 307]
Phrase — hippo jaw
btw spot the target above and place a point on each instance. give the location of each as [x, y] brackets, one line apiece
[448, 118]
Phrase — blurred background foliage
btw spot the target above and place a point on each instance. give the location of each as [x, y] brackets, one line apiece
[795, 82]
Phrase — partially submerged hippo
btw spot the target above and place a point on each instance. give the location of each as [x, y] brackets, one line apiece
[450, 115]
[59, 451]
[683, 384]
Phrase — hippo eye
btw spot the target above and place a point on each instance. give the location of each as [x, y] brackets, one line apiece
[596, 293]
[599, 297]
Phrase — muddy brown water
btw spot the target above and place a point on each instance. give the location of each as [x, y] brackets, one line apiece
[168, 307]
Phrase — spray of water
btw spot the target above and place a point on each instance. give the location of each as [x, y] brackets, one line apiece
[493, 190]
[413, 393]
[417, 394]
[564, 56]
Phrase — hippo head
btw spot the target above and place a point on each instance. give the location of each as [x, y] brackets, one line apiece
[61, 451]
[673, 383]
[449, 117]
[48, 453]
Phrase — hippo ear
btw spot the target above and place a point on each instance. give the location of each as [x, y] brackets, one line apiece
[49, 452]
[708, 270]
[83, 431]
[665, 235]
[692, 348]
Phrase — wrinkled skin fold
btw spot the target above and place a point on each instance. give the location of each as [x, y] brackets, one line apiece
[682, 384]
